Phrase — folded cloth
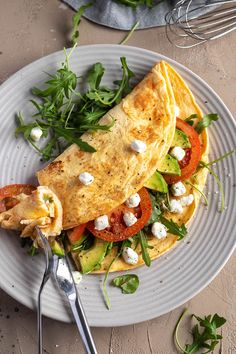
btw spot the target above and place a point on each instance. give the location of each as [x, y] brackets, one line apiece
[116, 15]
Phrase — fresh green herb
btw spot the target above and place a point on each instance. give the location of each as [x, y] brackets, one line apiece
[221, 158]
[174, 228]
[33, 251]
[156, 211]
[121, 245]
[84, 245]
[76, 21]
[190, 119]
[207, 120]
[203, 164]
[144, 247]
[64, 114]
[133, 28]
[135, 3]
[128, 283]
[199, 191]
[207, 338]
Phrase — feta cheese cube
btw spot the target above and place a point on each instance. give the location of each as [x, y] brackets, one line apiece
[101, 222]
[177, 152]
[178, 189]
[185, 201]
[129, 219]
[130, 256]
[138, 146]
[133, 201]
[175, 206]
[36, 133]
[86, 178]
[159, 230]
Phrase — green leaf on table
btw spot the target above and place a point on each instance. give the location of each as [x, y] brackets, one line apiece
[76, 21]
[127, 283]
[204, 334]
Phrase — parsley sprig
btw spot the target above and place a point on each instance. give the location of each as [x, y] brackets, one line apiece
[63, 113]
[204, 334]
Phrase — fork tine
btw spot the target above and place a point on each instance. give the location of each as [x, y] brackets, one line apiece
[48, 268]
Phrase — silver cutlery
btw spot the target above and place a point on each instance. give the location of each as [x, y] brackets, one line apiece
[59, 267]
[48, 269]
[64, 278]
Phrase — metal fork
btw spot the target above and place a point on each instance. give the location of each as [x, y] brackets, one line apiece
[48, 269]
[59, 266]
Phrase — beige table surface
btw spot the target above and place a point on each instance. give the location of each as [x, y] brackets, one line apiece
[30, 29]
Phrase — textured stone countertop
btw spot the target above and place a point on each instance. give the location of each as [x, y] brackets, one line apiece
[30, 29]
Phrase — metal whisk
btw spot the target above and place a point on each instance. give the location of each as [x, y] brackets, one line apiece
[187, 27]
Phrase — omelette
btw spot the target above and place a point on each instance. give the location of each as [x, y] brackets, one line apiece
[92, 192]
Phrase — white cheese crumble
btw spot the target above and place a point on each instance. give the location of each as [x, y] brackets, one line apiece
[36, 133]
[101, 222]
[177, 152]
[86, 178]
[159, 230]
[185, 201]
[138, 146]
[178, 189]
[175, 206]
[133, 201]
[130, 256]
[129, 219]
[77, 276]
[177, 111]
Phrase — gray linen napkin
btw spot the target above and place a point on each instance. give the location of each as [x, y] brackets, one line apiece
[115, 15]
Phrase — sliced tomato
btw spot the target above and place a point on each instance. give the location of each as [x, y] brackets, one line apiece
[8, 194]
[76, 234]
[193, 155]
[118, 231]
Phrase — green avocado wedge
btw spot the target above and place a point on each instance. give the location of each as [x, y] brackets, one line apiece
[92, 258]
[157, 183]
[180, 139]
[170, 166]
[57, 248]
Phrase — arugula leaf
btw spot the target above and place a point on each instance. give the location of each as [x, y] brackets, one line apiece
[190, 119]
[68, 136]
[95, 76]
[144, 247]
[174, 228]
[128, 283]
[76, 21]
[205, 339]
[207, 120]
[155, 210]
[135, 3]
[128, 36]
[64, 112]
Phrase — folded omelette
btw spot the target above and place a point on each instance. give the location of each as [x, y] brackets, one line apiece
[147, 114]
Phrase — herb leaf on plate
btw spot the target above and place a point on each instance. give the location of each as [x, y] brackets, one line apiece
[128, 283]
[76, 21]
[174, 228]
[63, 113]
[206, 121]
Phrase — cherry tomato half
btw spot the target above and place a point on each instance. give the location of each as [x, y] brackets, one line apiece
[118, 231]
[190, 162]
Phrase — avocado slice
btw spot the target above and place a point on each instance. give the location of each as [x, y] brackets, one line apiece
[180, 139]
[170, 166]
[57, 248]
[92, 258]
[157, 183]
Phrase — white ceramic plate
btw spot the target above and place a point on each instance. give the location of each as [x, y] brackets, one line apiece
[171, 280]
